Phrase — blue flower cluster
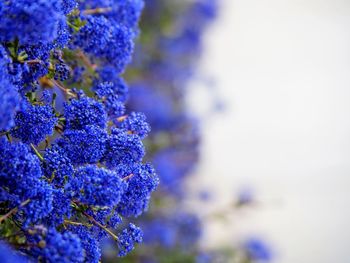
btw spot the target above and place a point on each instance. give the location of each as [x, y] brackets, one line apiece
[34, 123]
[257, 250]
[71, 156]
[54, 246]
[109, 33]
[32, 22]
[128, 237]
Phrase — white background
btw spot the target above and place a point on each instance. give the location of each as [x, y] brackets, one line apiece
[283, 69]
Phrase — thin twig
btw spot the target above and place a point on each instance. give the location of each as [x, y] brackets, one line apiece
[94, 221]
[122, 118]
[86, 61]
[4, 133]
[14, 210]
[33, 61]
[100, 10]
[73, 223]
[61, 87]
[128, 177]
[37, 152]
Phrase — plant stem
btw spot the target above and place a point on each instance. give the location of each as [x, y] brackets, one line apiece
[73, 223]
[94, 221]
[122, 118]
[86, 61]
[37, 152]
[61, 87]
[99, 10]
[33, 61]
[128, 177]
[13, 211]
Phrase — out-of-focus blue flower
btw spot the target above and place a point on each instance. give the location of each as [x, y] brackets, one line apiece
[157, 106]
[177, 229]
[9, 97]
[8, 255]
[173, 165]
[245, 197]
[257, 250]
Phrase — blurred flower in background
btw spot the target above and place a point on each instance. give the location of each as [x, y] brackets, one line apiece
[168, 51]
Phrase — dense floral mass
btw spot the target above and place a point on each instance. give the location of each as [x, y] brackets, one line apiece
[71, 156]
